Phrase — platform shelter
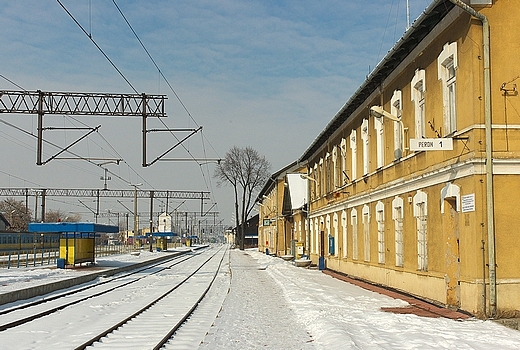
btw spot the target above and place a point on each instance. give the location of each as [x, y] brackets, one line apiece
[163, 238]
[77, 242]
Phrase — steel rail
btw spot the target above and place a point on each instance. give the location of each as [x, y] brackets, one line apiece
[61, 307]
[103, 334]
[179, 324]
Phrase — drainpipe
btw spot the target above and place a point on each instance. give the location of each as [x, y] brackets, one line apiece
[489, 157]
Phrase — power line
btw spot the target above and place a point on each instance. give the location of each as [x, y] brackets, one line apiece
[12, 82]
[97, 46]
[155, 64]
[158, 68]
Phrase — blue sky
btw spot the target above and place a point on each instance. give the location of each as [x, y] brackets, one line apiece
[265, 74]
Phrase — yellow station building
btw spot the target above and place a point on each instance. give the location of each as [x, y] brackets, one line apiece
[415, 183]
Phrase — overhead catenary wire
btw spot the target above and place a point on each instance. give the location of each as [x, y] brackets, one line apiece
[207, 183]
[157, 67]
[12, 82]
[98, 47]
[205, 175]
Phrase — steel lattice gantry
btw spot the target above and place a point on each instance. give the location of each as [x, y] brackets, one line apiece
[95, 193]
[77, 103]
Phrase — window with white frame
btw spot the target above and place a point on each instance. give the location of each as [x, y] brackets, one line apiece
[312, 235]
[420, 210]
[312, 184]
[366, 155]
[418, 91]
[354, 223]
[396, 110]
[397, 217]
[335, 225]
[343, 162]
[327, 173]
[366, 232]
[321, 227]
[380, 141]
[353, 154]
[447, 74]
[335, 172]
[320, 190]
[306, 228]
[316, 235]
[380, 218]
[344, 231]
[327, 231]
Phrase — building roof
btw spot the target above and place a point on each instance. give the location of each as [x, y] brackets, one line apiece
[84, 227]
[433, 14]
[271, 181]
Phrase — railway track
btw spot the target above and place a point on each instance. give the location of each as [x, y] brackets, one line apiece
[89, 291]
[142, 310]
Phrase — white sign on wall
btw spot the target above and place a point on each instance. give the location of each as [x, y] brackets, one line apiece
[468, 202]
[440, 144]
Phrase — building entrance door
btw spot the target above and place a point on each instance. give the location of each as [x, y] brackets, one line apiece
[321, 259]
[451, 234]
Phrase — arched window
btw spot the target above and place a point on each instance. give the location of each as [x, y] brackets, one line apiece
[420, 211]
[354, 223]
[366, 232]
[344, 230]
[447, 73]
[380, 218]
[397, 217]
[418, 92]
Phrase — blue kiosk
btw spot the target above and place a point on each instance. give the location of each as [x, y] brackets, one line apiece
[77, 242]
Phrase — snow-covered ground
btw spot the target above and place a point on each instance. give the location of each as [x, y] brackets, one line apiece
[272, 304]
[26, 277]
[286, 307]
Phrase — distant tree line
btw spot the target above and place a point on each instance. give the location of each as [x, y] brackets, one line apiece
[19, 215]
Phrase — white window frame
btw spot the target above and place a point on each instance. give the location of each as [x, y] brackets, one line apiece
[398, 217]
[335, 224]
[366, 150]
[418, 87]
[353, 154]
[344, 231]
[316, 235]
[450, 191]
[380, 219]
[343, 162]
[380, 141]
[447, 66]
[396, 108]
[354, 224]
[327, 174]
[420, 211]
[328, 232]
[366, 232]
[313, 184]
[321, 189]
[335, 180]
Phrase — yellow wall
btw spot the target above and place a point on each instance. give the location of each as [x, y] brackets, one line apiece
[457, 242]
[77, 250]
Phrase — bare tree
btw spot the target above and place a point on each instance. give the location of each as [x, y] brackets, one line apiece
[246, 171]
[58, 216]
[16, 213]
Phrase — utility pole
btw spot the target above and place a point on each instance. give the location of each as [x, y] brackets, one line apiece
[136, 225]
